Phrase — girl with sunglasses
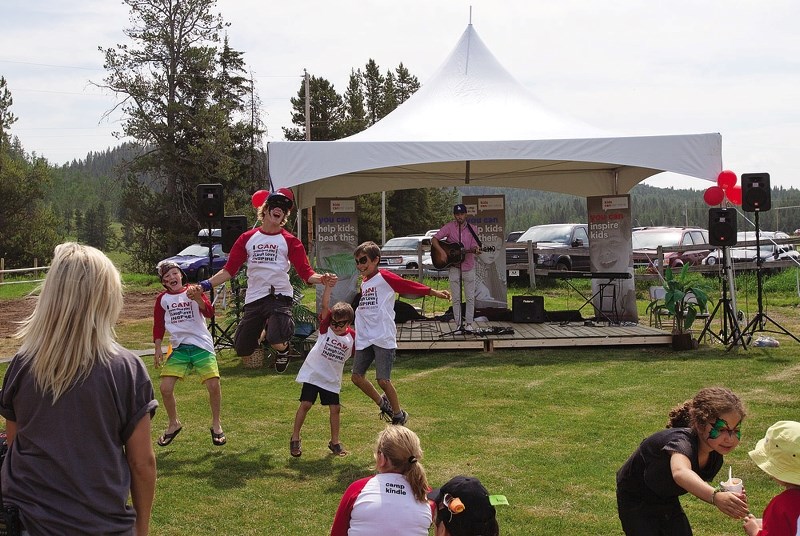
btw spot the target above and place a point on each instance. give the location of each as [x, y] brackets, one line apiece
[321, 373]
[681, 459]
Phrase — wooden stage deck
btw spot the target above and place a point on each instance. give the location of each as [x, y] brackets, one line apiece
[433, 335]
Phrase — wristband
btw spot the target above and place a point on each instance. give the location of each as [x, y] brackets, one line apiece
[714, 496]
[206, 285]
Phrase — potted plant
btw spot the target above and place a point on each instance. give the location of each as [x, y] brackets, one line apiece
[684, 301]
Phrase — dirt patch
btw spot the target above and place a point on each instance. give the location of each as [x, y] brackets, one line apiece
[137, 306]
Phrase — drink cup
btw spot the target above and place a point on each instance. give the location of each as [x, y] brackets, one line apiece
[732, 484]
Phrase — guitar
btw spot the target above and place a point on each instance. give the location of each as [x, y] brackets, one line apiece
[451, 254]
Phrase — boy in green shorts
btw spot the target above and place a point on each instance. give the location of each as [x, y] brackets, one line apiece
[192, 348]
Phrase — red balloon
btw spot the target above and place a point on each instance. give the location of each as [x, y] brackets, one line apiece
[726, 179]
[258, 198]
[734, 194]
[714, 195]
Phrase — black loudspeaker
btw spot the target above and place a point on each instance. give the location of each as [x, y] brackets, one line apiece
[722, 226]
[527, 309]
[232, 228]
[210, 204]
[756, 196]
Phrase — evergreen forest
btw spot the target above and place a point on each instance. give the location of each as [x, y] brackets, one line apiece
[192, 112]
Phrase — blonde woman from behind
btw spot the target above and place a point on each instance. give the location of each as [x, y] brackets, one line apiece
[72, 397]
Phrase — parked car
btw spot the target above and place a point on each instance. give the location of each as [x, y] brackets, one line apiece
[193, 259]
[645, 243]
[402, 253]
[768, 250]
[513, 236]
[552, 236]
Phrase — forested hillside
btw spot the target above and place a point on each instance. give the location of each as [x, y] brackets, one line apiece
[82, 184]
[650, 206]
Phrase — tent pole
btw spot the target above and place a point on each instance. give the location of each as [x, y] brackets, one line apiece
[466, 174]
[383, 218]
[310, 209]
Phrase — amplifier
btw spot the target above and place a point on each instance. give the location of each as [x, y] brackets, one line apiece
[527, 309]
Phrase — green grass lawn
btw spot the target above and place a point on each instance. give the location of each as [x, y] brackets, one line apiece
[546, 428]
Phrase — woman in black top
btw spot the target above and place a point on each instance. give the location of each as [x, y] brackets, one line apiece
[682, 458]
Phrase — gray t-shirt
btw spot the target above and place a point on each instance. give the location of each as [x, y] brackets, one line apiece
[66, 469]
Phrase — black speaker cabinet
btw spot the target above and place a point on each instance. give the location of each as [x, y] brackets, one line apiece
[232, 228]
[722, 226]
[528, 309]
[210, 204]
[756, 195]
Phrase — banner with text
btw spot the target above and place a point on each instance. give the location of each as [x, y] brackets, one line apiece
[337, 238]
[610, 250]
[487, 215]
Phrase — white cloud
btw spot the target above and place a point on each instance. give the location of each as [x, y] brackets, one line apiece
[633, 67]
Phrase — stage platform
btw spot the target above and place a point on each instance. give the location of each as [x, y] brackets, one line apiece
[433, 335]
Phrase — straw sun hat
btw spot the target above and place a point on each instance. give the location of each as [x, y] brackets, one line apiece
[778, 453]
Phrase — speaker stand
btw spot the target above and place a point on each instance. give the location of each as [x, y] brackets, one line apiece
[759, 321]
[728, 314]
[220, 337]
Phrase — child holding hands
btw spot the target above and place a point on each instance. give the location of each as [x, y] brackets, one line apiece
[192, 348]
[778, 455]
[321, 373]
[377, 331]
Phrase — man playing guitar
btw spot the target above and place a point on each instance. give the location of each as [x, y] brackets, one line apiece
[459, 255]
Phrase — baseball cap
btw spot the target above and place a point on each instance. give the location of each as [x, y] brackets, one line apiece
[778, 452]
[282, 197]
[460, 209]
[165, 266]
[478, 506]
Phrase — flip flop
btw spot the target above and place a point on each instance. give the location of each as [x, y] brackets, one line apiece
[218, 439]
[166, 439]
[295, 448]
[337, 449]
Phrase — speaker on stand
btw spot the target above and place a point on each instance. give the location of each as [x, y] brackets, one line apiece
[722, 232]
[756, 197]
[211, 209]
[722, 226]
[232, 229]
[210, 203]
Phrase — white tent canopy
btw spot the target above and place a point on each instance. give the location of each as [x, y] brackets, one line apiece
[473, 123]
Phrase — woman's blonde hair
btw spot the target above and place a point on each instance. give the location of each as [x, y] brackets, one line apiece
[72, 326]
[401, 447]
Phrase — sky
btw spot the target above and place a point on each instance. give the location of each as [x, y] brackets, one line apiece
[634, 67]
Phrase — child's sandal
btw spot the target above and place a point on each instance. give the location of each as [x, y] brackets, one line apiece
[337, 449]
[295, 448]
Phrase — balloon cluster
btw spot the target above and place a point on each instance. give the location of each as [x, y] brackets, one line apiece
[726, 187]
[260, 196]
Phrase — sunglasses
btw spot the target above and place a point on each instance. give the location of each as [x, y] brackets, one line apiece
[343, 323]
[280, 202]
[362, 260]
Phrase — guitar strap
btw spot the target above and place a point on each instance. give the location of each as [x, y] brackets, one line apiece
[472, 232]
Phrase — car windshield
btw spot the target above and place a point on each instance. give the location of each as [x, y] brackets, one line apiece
[401, 244]
[653, 239]
[547, 233]
[195, 250]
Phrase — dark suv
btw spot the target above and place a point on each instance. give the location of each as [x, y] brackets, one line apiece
[647, 240]
[552, 236]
